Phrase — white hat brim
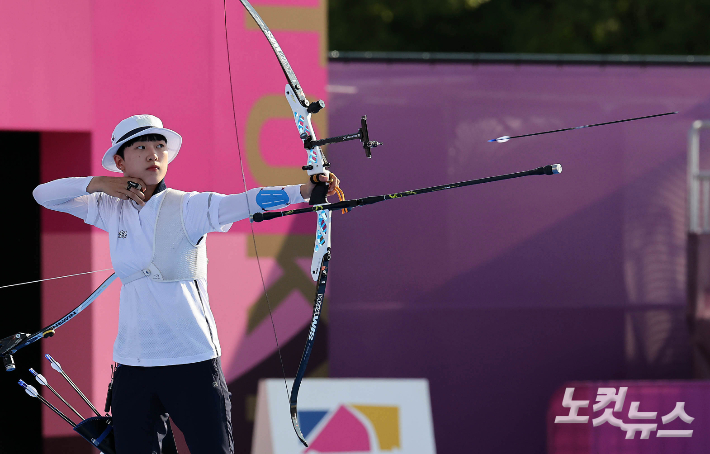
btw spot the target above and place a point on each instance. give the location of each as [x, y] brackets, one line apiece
[173, 139]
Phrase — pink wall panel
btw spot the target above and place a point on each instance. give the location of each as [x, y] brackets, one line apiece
[46, 65]
[74, 70]
[66, 249]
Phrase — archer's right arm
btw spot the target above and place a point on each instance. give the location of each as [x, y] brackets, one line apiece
[76, 196]
[58, 194]
[68, 195]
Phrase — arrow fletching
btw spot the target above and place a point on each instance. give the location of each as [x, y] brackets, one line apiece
[40, 378]
[30, 390]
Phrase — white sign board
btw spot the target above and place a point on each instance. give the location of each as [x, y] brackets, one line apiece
[346, 416]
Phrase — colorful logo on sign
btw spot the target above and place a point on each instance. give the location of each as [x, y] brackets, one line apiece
[351, 428]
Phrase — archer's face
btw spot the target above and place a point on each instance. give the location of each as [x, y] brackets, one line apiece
[145, 160]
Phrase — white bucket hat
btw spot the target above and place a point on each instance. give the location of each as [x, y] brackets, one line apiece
[139, 125]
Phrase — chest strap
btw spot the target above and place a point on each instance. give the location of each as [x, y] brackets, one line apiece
[150, 272]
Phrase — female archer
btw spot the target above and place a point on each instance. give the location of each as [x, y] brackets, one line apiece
[167, 346]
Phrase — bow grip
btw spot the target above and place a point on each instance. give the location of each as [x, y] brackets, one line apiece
[319, 193]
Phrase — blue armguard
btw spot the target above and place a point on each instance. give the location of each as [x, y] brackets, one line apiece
[269, 199]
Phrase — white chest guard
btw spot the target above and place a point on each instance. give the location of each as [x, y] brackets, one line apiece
[175, 258]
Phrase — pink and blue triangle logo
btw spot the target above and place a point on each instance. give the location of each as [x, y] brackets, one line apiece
[351, 428]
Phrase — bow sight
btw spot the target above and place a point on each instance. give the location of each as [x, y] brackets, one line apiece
[362, 134]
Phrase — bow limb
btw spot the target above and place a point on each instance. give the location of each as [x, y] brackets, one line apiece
[11, 344]
[288, 71]
[317, 304]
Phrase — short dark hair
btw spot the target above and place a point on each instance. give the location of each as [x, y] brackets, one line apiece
[145, 138]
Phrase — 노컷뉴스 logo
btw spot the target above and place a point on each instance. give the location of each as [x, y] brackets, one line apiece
[605, 396]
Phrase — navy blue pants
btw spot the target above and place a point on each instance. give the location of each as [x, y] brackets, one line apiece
[195, 396]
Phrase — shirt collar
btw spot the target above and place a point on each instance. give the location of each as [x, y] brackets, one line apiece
[161, 187]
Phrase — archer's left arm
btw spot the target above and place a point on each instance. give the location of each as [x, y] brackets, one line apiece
[233, 208]
[205, 212]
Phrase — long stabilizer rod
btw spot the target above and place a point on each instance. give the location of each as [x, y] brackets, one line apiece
[551, 169]
[507, 138]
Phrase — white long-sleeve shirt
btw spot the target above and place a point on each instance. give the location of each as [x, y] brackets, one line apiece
[160, 323]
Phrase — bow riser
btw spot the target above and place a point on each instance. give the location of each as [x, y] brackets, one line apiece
[315, 164]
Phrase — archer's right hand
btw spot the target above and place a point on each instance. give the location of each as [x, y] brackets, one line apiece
[118, 187]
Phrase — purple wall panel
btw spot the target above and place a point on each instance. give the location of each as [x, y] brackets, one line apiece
[499, 293]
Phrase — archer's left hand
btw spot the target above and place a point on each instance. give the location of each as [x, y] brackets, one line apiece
[333, 185]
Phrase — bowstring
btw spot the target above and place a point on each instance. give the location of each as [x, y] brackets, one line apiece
[53, 278]
[246, 195]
